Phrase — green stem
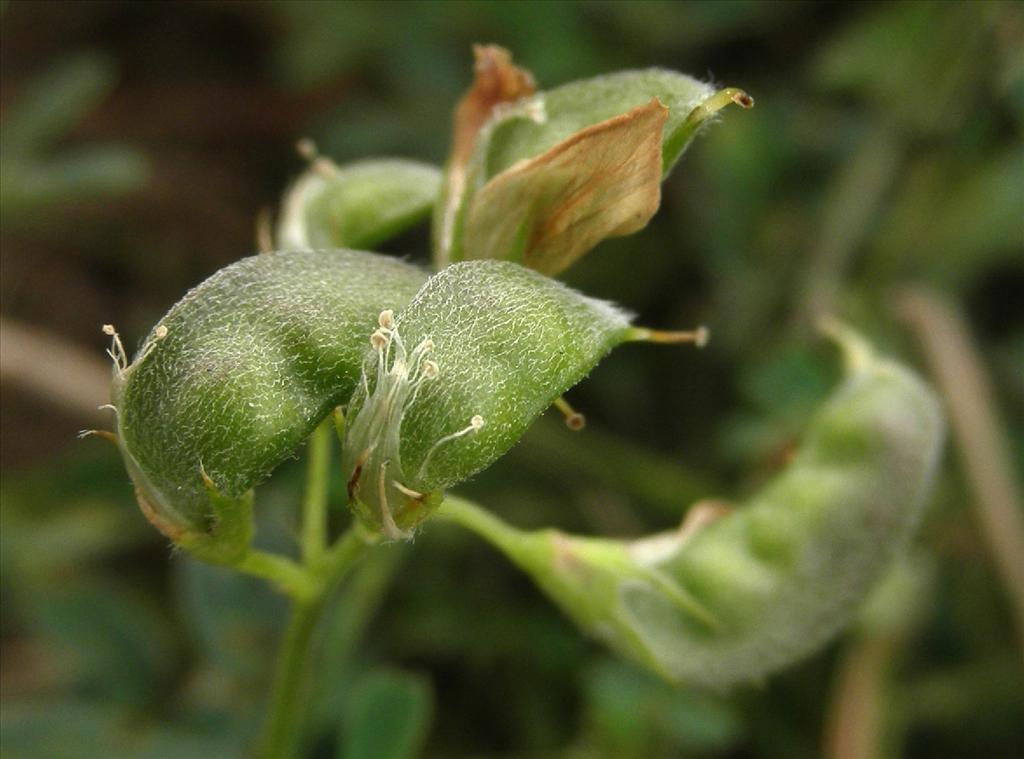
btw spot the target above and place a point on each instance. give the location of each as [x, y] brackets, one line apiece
[314, 506]
[284, 720]
[309, 585]
[288, 576]
[335, 563]
[286, 703]
[476, 519]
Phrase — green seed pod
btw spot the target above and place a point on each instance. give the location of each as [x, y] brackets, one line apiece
[358, 205]
[553, 116]
[454, 380]
[236, 376]
[547, 176]
[755, 591]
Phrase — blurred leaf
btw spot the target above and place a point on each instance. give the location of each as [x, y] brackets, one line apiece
[631, 713]
[81, 175]
[113, 642]
[85, 530]
[358, 600]
[235, 619]
[89, 730]
[59, 523]
[917, 60]
[782, 387]
[326, 39]
[30, 729]
[54, 103]
[387, 718]
[51, 107]
[954, 219]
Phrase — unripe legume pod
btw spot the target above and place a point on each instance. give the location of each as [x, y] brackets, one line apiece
[550, 175]
[358, 205]
[239, 372]
[759, 589]
[453, 380]
[570, 108]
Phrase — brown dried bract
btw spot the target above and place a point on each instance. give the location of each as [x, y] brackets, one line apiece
[496, 81]
[702, 514]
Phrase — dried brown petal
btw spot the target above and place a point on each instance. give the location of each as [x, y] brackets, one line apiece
[547, 211]
[496, 81]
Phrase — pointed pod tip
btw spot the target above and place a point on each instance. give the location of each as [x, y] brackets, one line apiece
[717, 102]
[740, 98]
[857, 353]
[574, 420]
[105, 434]
[306, 148]
[699, 337]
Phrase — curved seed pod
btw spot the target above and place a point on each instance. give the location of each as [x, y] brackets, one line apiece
[552, 175]
[454, 380]
[239, 372]
[358, 205]
[755, 591]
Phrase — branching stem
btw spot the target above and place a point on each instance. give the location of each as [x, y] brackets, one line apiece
[314, 506]
[308, 584]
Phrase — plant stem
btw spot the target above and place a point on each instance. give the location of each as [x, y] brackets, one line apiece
[286, 703]
[288, 576]
[309, 585]
[476, 519]
[314, 506]
[335, 562]
[284, 720]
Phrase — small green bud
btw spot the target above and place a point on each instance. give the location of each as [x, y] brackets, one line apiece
[358, 205]
[236, 376]
[752, 592]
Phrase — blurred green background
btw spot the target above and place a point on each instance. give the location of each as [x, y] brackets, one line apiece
[881, 177]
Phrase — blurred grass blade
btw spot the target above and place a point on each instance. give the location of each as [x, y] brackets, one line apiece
[54, 102]
[104, 170]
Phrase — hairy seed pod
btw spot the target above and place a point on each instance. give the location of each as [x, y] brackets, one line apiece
[541, 178]
[756, 590]
[357, 205]
[238, 373]
[453, 380]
